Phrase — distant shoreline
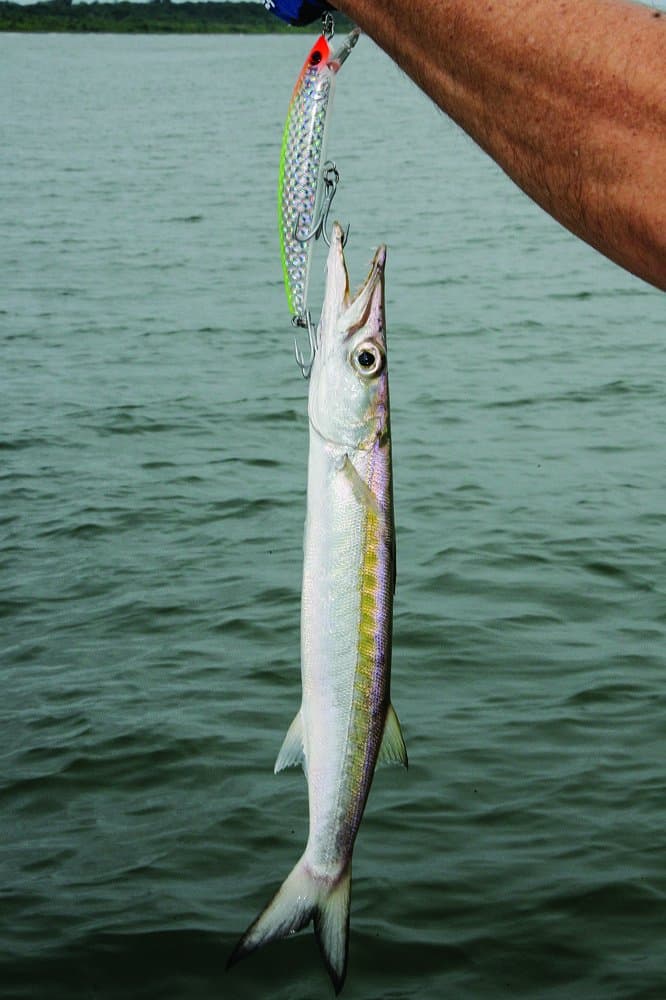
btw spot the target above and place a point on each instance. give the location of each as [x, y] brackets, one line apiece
[155, 17]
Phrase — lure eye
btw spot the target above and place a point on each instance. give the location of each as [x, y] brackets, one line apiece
[315, 58]
[368, 359]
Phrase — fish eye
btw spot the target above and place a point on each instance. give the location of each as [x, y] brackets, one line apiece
[368, 359]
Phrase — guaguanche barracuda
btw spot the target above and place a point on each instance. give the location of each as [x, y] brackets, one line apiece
[346, 722]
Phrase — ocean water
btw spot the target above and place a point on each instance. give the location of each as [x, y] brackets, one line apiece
[153, 444]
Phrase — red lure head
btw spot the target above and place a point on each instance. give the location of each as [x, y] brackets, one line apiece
[317, 56]
[319, 52]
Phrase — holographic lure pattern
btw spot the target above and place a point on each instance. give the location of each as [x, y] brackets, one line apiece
[301, 164]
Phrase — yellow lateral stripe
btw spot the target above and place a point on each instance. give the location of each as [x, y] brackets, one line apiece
[366, 645]
[365, 658]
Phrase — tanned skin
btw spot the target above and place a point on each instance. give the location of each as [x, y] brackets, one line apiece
[568, 96]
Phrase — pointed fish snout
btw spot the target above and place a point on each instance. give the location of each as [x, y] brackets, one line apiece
[343, 315]
[367, 306]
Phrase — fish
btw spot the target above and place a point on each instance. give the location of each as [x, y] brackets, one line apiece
[346, 722]
[300, 180]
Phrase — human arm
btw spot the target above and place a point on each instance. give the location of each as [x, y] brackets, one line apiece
[568, 96]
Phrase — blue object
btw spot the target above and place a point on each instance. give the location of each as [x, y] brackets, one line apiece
[298, 11]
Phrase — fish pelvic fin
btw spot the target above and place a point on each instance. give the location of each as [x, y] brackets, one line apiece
[303, 897]
[392, 749]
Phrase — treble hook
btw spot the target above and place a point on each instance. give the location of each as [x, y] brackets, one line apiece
[305, 323]
[331, 179]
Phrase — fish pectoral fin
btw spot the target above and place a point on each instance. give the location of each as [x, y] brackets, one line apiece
[292, 751]
[392, 749]
[364, 495]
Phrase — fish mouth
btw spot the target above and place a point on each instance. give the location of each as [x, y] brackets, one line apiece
[367, 307]
[342, 310]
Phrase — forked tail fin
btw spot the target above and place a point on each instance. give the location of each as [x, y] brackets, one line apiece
[303, 897]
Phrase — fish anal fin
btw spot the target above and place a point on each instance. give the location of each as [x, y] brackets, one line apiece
[392, 749]
[292, 751]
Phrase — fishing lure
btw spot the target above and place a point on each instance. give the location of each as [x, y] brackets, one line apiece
[307, 183]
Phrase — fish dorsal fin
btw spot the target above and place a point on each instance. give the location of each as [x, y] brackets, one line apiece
[392, 749]
[292, 751]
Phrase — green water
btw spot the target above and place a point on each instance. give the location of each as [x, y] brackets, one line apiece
[152, 471]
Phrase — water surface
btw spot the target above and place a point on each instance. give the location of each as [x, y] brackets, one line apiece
[152, 472]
